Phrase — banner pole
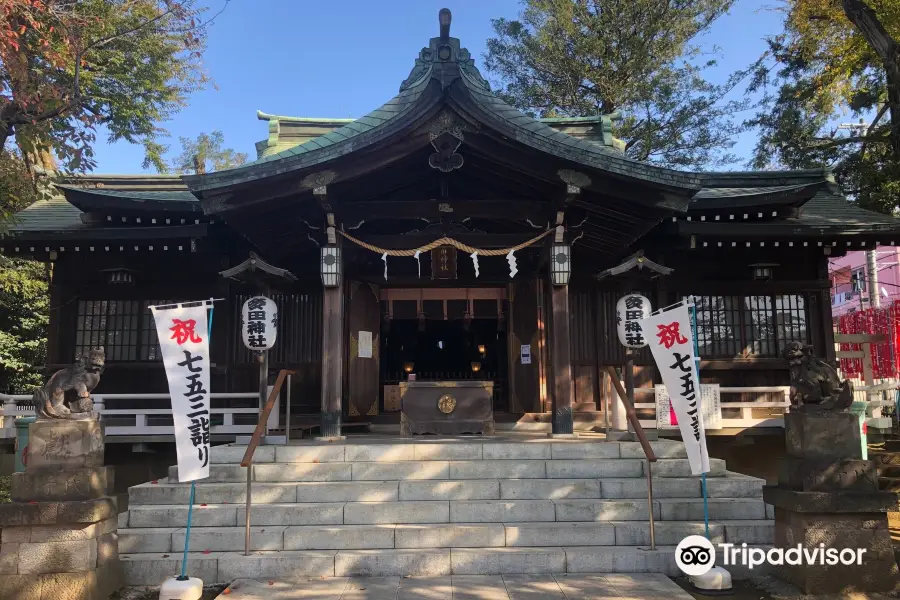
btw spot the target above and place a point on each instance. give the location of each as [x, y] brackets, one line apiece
[697, 361]
[187, 533]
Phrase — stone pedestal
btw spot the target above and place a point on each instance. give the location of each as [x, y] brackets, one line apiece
[58, 536]
[827, 495]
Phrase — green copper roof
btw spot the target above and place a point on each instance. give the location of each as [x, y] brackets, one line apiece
[136, 196]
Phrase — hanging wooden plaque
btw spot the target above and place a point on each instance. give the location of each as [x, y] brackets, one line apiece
[443, 262]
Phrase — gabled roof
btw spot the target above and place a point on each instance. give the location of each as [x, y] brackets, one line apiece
[443, 74]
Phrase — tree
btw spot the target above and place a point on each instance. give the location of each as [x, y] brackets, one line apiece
[23, 290]
[206, 154]
[636, 58]
[24, 316]
[68, 66]
[822, 70]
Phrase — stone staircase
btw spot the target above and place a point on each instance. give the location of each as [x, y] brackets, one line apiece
[435, 507]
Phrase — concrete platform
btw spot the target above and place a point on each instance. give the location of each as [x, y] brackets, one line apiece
[559, 586]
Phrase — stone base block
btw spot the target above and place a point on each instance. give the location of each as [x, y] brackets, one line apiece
[64, 444]
[16, 514]
[822, 435]
[819, 475]
[872, 576]
[67, 532]
[90, 585]
[830, 502]
[77, 484]
[865, 560]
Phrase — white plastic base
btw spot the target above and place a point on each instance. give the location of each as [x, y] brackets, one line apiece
[715, 581]
[188, 589]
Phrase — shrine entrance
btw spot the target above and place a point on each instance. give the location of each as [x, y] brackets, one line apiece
[444, 335]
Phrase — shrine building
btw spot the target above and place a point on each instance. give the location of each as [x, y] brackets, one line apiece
[445, 239]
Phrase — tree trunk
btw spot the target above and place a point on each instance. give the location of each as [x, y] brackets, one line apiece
[5, 132]
[868, 24]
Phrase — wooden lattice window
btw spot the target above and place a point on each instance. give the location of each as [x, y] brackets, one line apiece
[124, 328]
[745, 326]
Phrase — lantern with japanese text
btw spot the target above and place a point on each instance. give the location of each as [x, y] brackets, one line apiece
[629, 311]
[259, 323]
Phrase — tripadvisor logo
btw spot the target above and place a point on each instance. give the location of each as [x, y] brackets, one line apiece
[695, 555]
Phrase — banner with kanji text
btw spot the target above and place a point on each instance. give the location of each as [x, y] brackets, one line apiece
[669, 336]
[183, 338]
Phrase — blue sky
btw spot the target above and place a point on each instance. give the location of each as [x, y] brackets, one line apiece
[346, 57]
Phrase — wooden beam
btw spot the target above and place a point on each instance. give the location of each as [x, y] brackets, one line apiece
[478, 240]
[456, 209]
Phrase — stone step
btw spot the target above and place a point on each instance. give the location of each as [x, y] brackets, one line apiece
[148, 569]
[441, 535]
[732, 485]
[452, 470]
[453, 511]
[444, 450]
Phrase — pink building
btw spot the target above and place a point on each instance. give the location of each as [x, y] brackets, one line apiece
[850, 287]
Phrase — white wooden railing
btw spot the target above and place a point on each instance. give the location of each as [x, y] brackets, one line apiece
[746, 420]
[139, 421]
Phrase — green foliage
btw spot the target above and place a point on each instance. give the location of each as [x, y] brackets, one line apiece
[67, 67]
[24, 316]
[17, 189]
[637, 58]
[24, 311]
[819, 73]
[207, 151]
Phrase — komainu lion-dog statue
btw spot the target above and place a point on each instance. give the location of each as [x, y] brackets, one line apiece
[815, 385]
[73, 386]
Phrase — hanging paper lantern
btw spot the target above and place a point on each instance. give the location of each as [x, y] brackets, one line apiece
[259, 323]
[630, 310]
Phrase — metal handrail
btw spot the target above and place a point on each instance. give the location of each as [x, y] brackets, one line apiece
[247, 461]
[645, 444]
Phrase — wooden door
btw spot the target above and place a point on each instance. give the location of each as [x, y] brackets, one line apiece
[363, 370]
[524, 330]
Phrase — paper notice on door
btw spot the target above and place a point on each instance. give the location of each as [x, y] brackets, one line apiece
[365, 344]
[526, 354]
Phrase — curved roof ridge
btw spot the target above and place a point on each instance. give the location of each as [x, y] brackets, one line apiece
[263, 116]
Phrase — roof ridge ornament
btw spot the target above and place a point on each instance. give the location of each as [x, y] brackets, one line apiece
[444, 59]
[445, 17]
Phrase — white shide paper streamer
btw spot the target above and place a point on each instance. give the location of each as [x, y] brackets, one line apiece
[511, 259]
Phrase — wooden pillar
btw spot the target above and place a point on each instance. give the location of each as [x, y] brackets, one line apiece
[332, 360]
[332, 329]
[561, 361]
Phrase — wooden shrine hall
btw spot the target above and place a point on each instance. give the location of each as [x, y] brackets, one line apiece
[440, 255]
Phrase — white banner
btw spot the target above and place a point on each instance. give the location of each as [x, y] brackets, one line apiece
[710, 405]
[183, 338]
[668, 334]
